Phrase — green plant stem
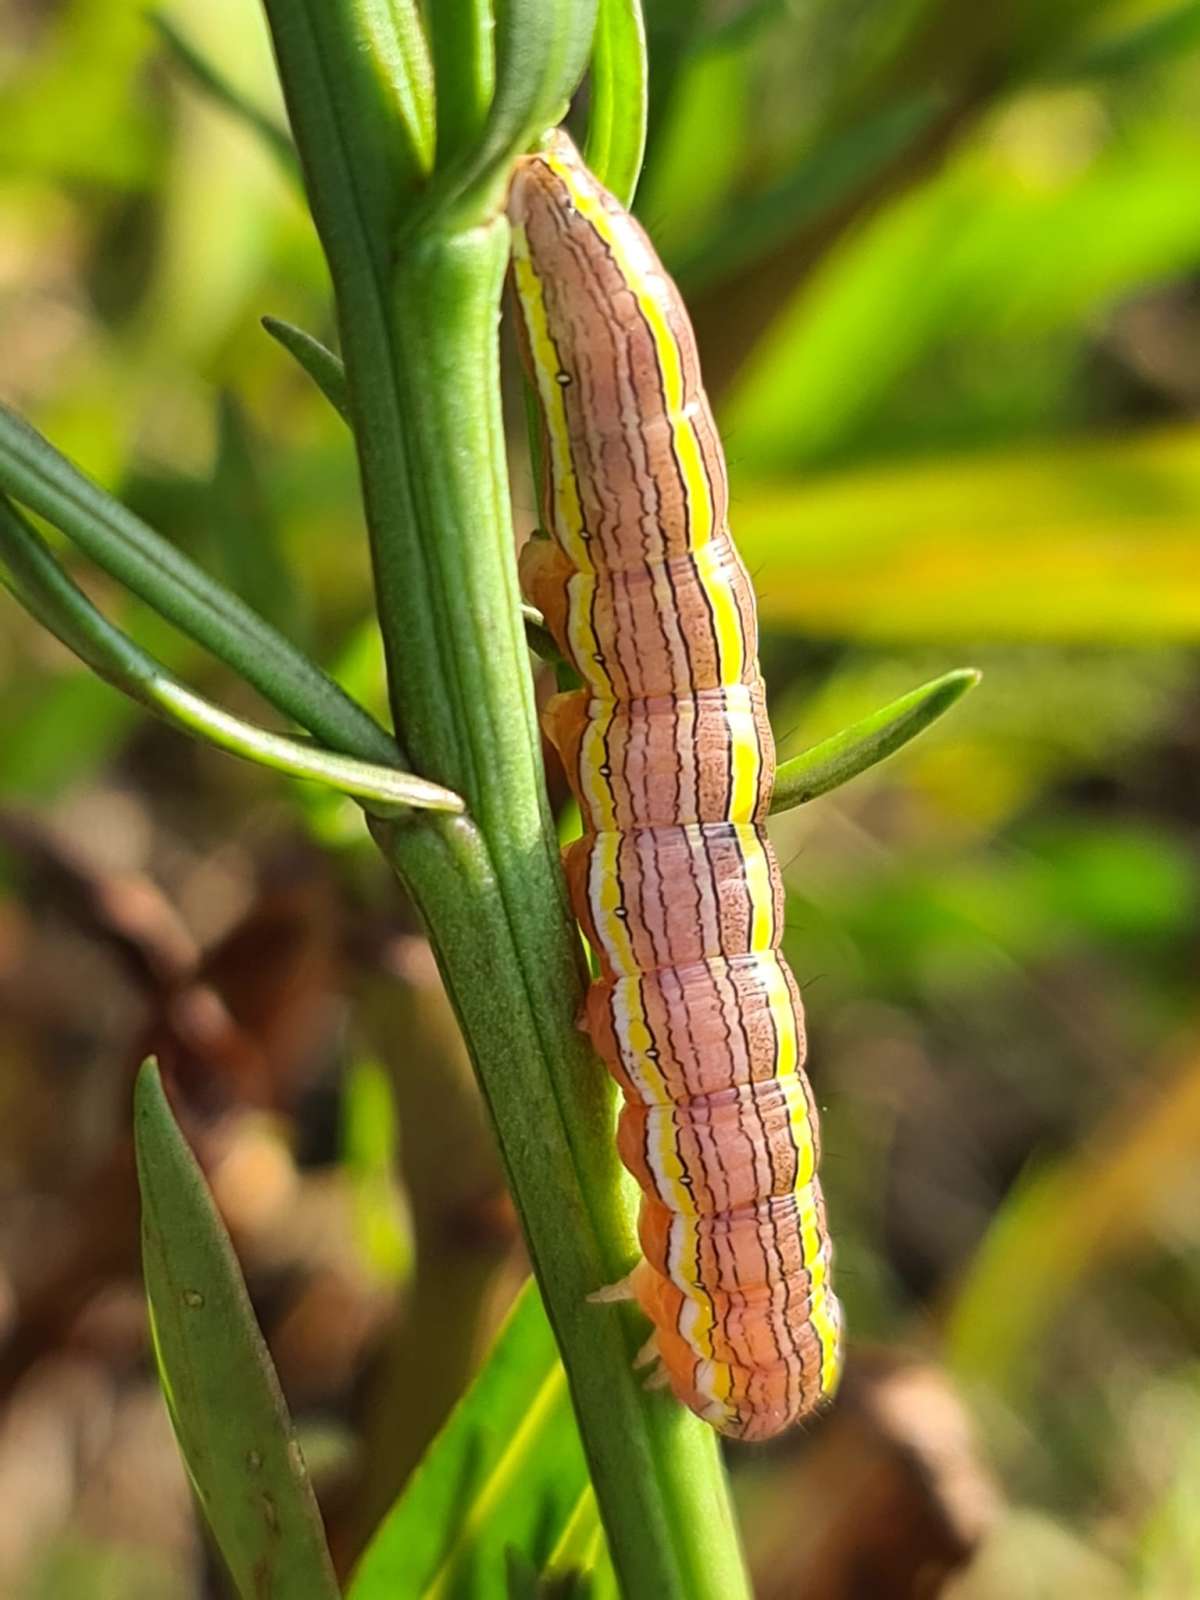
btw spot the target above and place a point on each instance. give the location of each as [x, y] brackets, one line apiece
[506, 930]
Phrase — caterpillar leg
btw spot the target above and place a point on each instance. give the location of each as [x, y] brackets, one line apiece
[564, 719]
[544, 572]
[660, 1378]
[613, 1293]
[648, 1354]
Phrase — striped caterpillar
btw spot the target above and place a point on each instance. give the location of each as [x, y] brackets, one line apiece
[669, 753]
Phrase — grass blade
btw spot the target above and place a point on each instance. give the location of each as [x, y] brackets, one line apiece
[1072, 1220]
[220, 1385]
[34, 472]
[864, 744]
[201, 72]
[820, 182]
[616, 137]
[40, 584]
[1086, 540]
[506, 1472]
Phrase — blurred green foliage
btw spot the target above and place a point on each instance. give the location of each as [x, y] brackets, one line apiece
[945, 264]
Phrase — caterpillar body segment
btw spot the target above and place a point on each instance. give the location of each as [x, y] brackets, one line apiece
[669, 752]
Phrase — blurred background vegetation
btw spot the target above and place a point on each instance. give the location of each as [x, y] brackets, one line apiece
[944, 261]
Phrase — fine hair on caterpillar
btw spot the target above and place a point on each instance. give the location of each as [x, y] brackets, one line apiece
[669, 753]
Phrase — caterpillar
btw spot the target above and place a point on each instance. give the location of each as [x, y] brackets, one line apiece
[669, 753]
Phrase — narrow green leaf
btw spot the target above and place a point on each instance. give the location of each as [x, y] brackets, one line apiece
[318, 361]
[616, 136]
[863, 745]
[462, 40]
[36, 580]
[839, 166]
[363, 158]
[541, 52]
[201, 72]
[395, 39]
[220, 1386]
[34, 472]
[506, 1472]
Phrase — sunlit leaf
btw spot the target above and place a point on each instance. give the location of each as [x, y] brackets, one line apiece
[506, 1472]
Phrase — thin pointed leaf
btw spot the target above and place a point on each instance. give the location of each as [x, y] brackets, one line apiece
[863, 745]
[40, 584]
[462, 41]
[220, 1386]
[506, 1472]
[34, 472]
[541, 52]
[318, 361]
[395, 38]
[211, 82]
[616, 137]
